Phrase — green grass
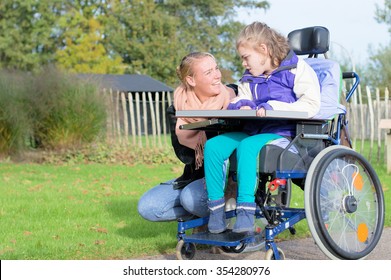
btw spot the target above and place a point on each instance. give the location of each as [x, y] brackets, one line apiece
[79, 212]
[89, 211]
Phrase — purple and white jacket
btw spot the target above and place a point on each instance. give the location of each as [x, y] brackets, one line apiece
[293, 86]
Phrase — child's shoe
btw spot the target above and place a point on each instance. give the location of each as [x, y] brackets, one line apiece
[245, 212]
[216, 222]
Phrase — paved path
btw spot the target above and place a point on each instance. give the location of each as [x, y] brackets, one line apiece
[298, 249]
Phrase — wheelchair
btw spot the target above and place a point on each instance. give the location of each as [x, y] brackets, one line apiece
[343, 197]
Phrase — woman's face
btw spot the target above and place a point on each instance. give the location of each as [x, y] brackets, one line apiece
[206, 79]
[255, 60]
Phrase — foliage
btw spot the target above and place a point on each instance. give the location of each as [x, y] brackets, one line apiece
[65, 111]
[27, 38]
[83, 50]
[99, 36]
[379, 67]
[13, 123]
[104, 153]
[50, 108]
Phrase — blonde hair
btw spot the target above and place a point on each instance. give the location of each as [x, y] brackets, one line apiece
[260, 33]
[185, 68]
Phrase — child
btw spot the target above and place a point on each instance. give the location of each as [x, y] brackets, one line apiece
[274, 79]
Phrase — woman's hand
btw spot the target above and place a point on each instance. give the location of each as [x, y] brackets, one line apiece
[261, 112]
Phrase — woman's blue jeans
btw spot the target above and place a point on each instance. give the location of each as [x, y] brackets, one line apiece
[164, 203]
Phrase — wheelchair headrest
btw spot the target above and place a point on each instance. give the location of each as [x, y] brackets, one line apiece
[310, 41]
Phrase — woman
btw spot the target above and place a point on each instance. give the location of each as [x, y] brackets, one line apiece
[200, 89]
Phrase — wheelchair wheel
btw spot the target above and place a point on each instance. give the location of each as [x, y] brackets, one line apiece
[344, 203]
[238, 249]
[270, 254]
[185, 251]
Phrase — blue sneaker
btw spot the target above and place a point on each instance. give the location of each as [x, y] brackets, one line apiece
[217, 222]
[245, 212]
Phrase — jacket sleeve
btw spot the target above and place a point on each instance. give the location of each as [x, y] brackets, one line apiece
[307, 90]
[244, 98]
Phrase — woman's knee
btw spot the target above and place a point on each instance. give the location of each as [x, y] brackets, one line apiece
[152, 204]
[144, 209]
[194, 198]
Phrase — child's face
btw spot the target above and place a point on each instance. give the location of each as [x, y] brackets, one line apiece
[256, 61]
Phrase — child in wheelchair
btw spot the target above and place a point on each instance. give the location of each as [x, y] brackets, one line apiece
[275, 79]
[343, 198]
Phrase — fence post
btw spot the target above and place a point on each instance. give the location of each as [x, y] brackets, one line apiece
[386, 116]
[371, 120]
[164, 113]
[125, 115]
[145, 119]
[361, 119]
[153, 117]
[132, 121]
[116, 98]
[138, 116]
[378, 117]
[159, 131]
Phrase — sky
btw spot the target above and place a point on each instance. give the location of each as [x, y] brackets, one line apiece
[351, 23]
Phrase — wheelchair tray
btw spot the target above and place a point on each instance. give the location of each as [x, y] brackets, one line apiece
[250, 114]
[227, 238]
[232, 120]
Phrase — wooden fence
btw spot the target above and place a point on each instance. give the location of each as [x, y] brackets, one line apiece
[364, 118]
[139, 118]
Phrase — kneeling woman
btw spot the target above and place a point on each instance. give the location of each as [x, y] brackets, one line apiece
[200, 89]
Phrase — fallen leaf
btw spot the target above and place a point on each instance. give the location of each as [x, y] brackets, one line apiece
[100, 242]
[102, 230]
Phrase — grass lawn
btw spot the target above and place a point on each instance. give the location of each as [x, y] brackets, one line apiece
[89, 211]
[80, 212]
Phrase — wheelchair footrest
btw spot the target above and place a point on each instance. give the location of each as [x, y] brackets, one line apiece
[227, 238]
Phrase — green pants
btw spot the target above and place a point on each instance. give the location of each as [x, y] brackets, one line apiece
[216, 156]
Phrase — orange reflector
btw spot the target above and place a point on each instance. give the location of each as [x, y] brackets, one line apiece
[362, 232]
[358, 181]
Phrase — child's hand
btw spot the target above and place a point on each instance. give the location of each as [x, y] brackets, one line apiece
[261, 112]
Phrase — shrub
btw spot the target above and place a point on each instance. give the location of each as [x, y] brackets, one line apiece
[14, 125]
[52, 109]
[66, 111]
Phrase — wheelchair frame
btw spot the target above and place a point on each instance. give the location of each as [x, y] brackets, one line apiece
[343, 197]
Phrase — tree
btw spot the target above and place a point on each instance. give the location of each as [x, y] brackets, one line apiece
[148, 36]
[82, 49]
[379, 67]
[26, 33]
[152, 36]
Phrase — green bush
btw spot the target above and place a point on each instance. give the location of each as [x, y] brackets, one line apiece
[66, 111]
[49, 110]
[14, 125]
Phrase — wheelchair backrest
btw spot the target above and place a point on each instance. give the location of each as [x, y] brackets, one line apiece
[312, 41]
[330, 80]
